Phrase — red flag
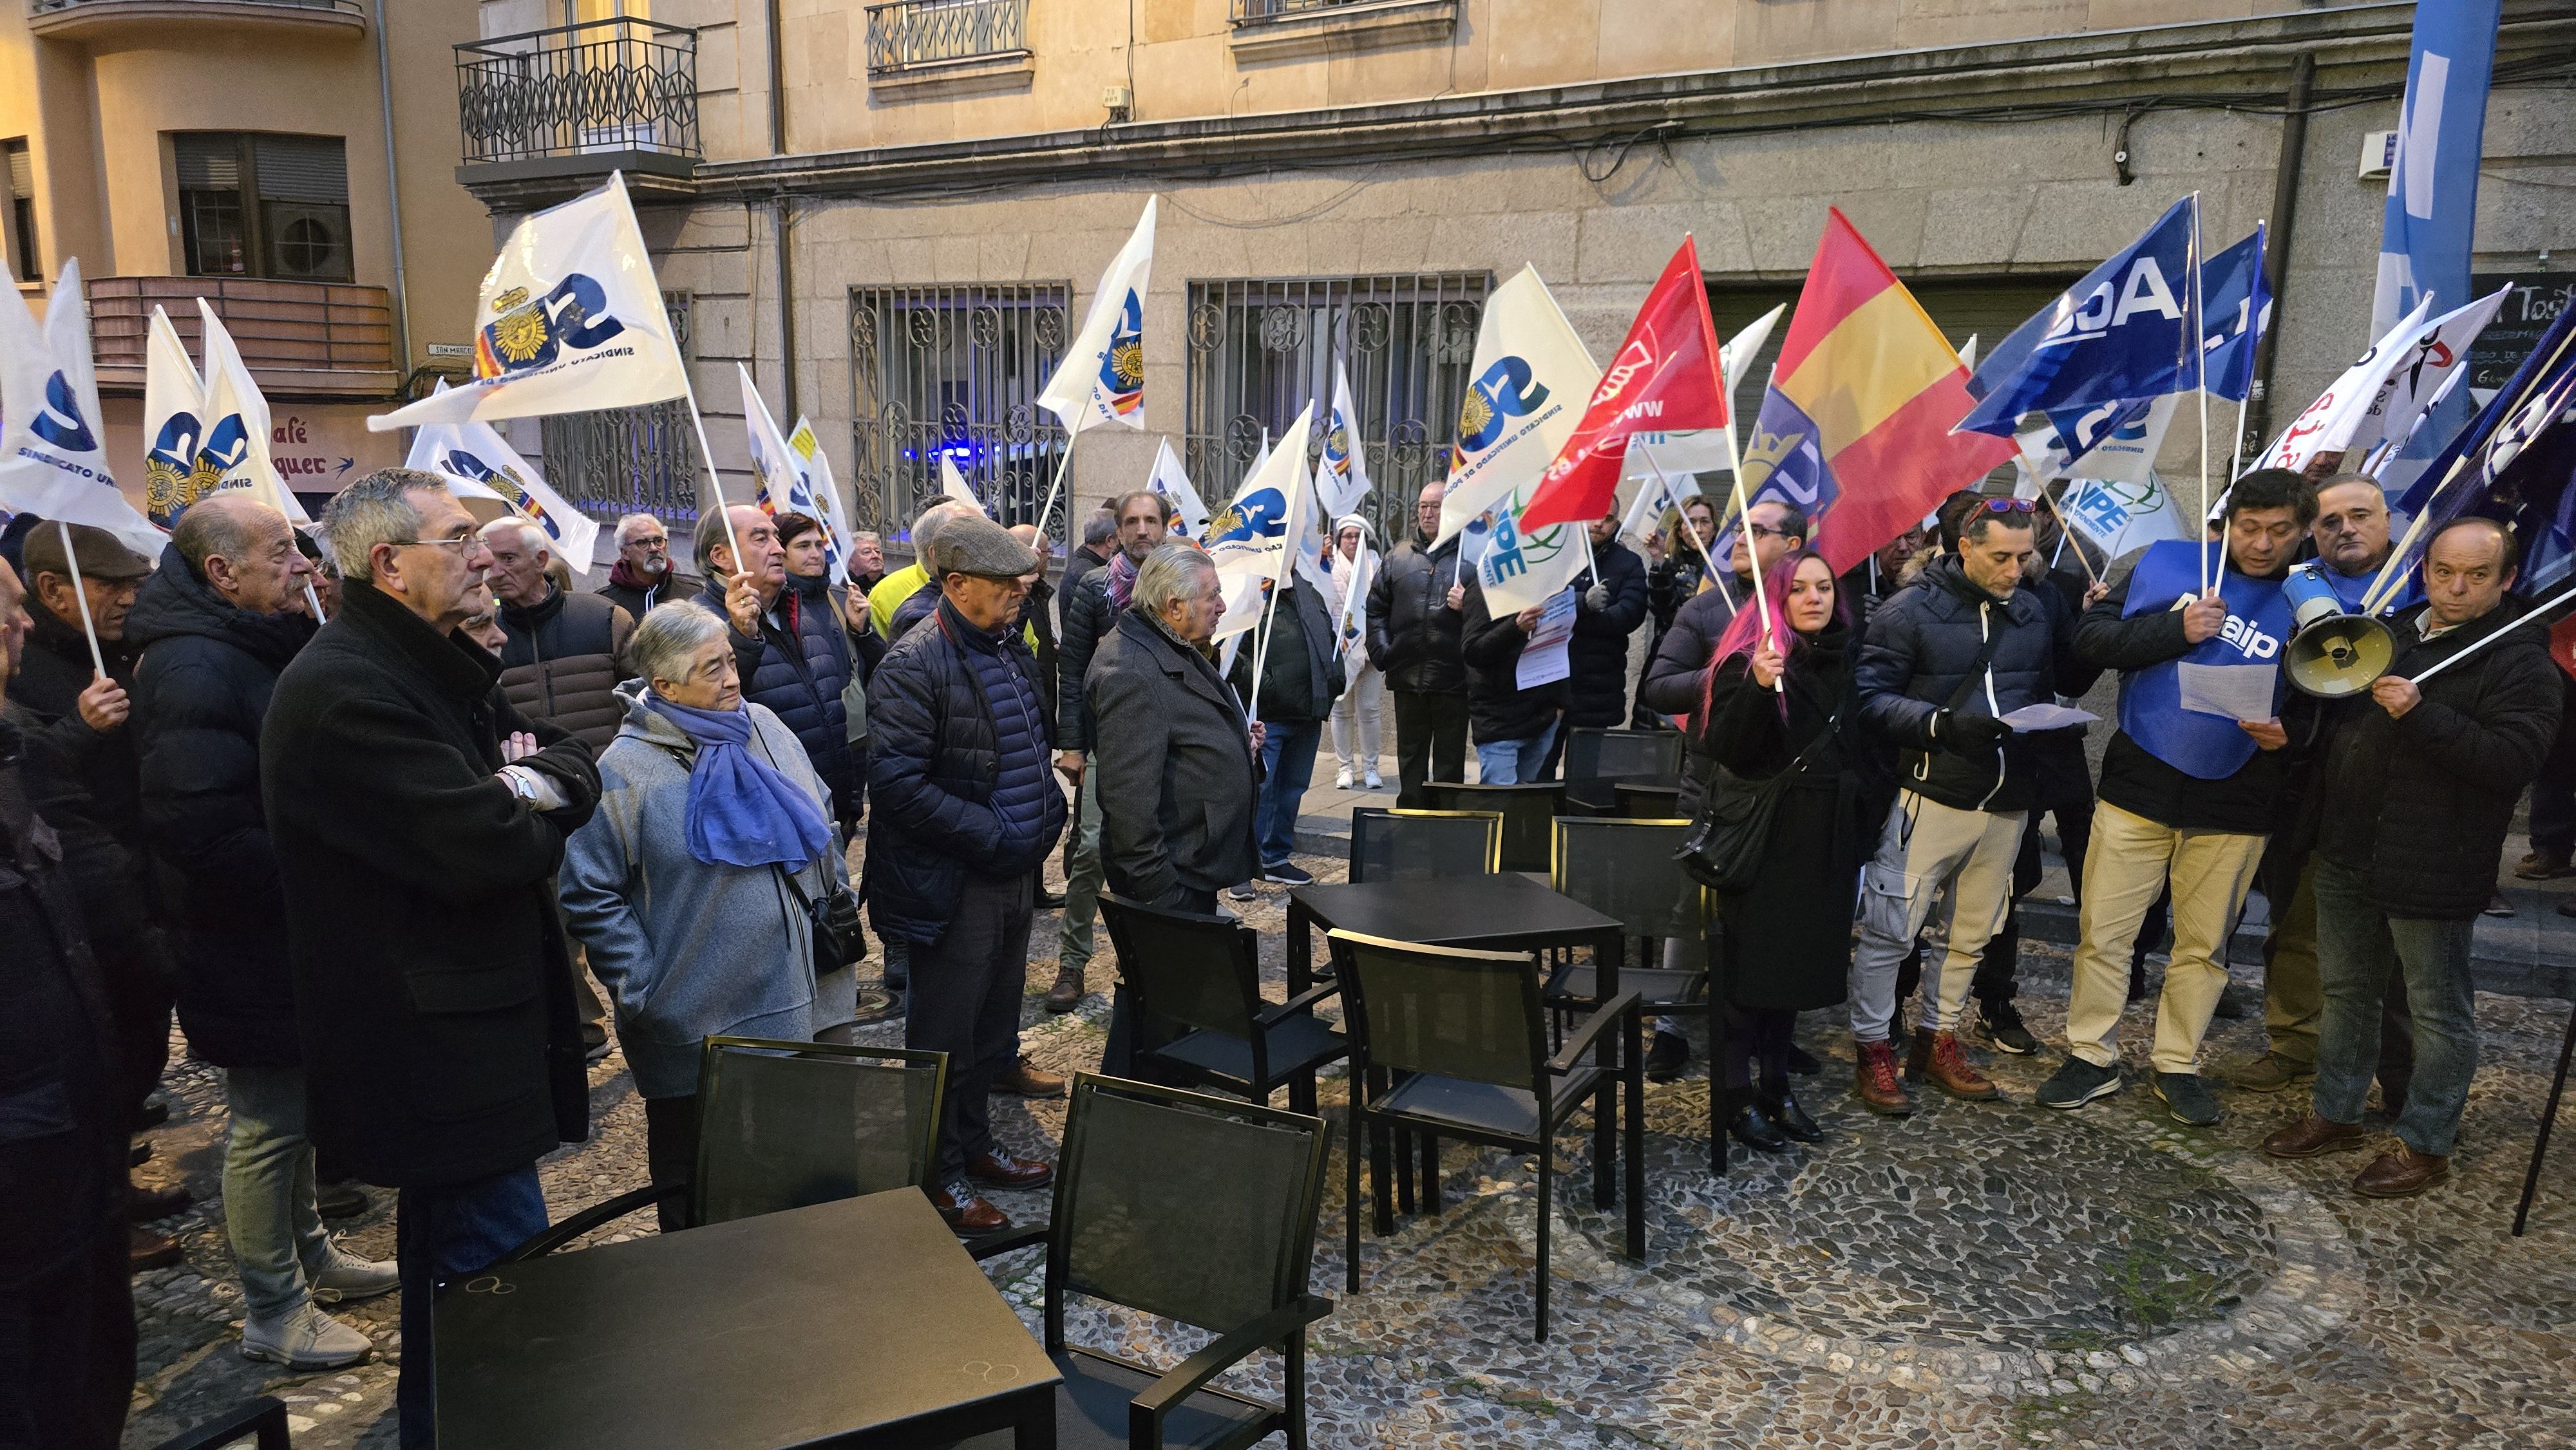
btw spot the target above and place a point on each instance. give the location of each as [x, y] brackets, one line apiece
[2562, 644]
[1665, 378]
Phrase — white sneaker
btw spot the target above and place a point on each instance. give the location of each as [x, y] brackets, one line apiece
[1342, 778]
[346, 1278]
[1374, 782]
[306, 1338]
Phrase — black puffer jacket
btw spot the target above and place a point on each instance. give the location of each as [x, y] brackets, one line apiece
[1913, 662]
[2247, 803]
[1300, 678]
[1086, 619]
[1599, 652]
[798, 673]
[1498, 708]
[1414, 637]
[200, 700]
[2421, 804]
[88, 787]
[934, 764]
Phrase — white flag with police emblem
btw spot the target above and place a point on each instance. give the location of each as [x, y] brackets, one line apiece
[1253, 539]
[1102, 377]
[1189, 514]
[236, 419]
[1532, 377]
[53, 448]
[571, 321]
[807, 447]
[480, 466]
[1345, 463]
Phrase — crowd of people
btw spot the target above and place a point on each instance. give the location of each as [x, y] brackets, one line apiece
[554, 810]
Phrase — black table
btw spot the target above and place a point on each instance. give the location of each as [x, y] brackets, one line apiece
[1506, 912]
[859, 1323]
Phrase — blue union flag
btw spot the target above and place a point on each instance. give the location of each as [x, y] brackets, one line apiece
[2130, 330]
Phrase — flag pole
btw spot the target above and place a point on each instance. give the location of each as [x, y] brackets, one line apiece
[2063, 538]
[2200, 392]
[79, 592]
[1744, 520]
[1665, 482]
[1047, 514]
[2537, 611]
[707, 455]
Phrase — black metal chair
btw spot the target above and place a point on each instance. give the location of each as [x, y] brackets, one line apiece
[1624, 868]
[263, 1418]
[1593, 753]
[1525, 809]
[786, 1124]
[1202, 975]
[1402, 845]
[1192, 1208]
[1453, 1044]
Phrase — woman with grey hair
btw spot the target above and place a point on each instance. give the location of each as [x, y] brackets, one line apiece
[689, 884]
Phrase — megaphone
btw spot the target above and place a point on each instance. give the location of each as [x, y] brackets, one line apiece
[2333, 652]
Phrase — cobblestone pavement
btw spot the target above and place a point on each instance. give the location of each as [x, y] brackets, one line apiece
[1977, 1275]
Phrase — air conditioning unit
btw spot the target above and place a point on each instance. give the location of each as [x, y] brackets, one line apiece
[2378, 154]
[308, 243]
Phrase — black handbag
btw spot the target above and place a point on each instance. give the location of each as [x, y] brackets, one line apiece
[838, 942]
[1724, 848]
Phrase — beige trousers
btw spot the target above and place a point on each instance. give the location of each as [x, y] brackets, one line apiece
[2125, 870]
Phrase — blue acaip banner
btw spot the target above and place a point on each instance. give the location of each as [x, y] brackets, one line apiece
[2130, 329]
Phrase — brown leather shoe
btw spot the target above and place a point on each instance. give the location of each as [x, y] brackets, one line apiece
[1066, 994]
[998, 1169]
[145, 1249]
[967, 1214]
[1029, 1081]
[142, 1205]
[2402, 1173]
[1876, 1083]
[1949, 1071]
[2314, 1136]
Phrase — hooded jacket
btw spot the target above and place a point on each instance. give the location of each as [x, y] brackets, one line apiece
[687, 949]
[565, 658]
[628, 591]
[201, 692]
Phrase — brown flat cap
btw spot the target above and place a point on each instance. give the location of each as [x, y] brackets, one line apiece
[974, 544]
[99, 553]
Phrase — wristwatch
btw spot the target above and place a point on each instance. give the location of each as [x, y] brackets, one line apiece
[522, 784]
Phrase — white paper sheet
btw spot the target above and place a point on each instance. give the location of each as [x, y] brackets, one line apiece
[1543, 658]
[2047, 716]
[2235, 692]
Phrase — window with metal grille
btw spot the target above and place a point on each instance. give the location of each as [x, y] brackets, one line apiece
[22, 210]
[1261, 348]
[955, 371]
[641, 460]
[263, 206]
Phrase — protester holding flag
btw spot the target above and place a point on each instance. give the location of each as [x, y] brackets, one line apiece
[1774, 531]
[1676, 567]
[1414, 623]
[1938, 669]
[809, 575]
[1609, 603]
[1357, 713]
[1090, 612]
[2191, 782]
[2417, 796]
[1513, 724]
[1299, 679]
[643, 577]
[1776, 703]
[67, 1331]
[566, 654]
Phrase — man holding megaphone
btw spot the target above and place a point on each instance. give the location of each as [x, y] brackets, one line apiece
[2190, 783]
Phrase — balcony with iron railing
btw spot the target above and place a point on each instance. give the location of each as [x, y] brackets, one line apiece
[928, 39]
[547, 113]
[309, 339]
[78, 19]
[1266, 28]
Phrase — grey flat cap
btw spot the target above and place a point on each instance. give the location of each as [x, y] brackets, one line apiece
[973, 544]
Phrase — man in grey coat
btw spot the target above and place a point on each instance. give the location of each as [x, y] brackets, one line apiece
[1177, 763]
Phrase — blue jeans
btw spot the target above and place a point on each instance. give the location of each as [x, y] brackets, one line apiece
[2357, 947]
[1287, 763]
[1515, 762]
[446, 1233]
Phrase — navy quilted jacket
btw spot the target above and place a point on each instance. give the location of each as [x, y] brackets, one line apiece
[798, 673]
[958, 741]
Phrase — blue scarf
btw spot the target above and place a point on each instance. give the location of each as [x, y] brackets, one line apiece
[742, 812]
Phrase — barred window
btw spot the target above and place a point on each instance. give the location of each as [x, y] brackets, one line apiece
[955, 371]
[641, 460]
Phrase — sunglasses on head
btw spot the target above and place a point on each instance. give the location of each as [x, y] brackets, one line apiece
[2008, 505]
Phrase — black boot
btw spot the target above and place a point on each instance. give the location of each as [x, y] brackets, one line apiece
[1802, 1062]
[1666, 1059]
[1751, 1127]
[1786, 1115]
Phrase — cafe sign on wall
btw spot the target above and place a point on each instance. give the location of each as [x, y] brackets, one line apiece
[322, 448]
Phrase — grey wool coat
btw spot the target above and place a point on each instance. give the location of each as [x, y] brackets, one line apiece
[689, 950]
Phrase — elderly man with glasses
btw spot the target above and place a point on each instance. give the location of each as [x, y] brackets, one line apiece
[963, 810]
[418, 820]
[642, 576]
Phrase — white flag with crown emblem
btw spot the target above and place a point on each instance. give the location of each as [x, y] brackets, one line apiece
[807, 448]
[1530, 380]
[1253, 539]
[1189, 514]
[236, 419]
[1344, 479]
[570, 321]
[1102, 377]
[479, 466]
[53, 448]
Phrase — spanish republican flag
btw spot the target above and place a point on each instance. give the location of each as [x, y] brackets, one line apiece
[1855, 426]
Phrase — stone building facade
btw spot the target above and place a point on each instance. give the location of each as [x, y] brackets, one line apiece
[1341, 183]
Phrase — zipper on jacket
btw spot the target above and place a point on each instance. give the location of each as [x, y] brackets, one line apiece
[1985, 629]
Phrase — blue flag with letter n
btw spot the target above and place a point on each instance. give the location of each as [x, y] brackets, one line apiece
[2236, 307]
[2129, 330]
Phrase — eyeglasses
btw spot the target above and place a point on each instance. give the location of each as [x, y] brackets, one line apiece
[1761, 532]
[655, 543]
[2008, 505]
[461, 541]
